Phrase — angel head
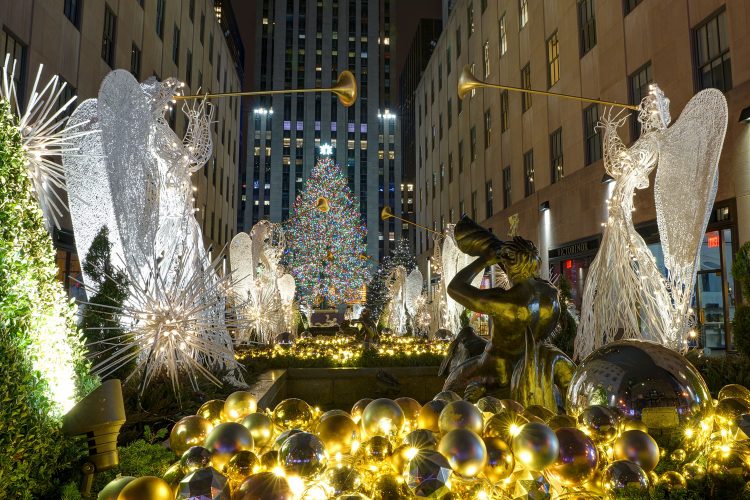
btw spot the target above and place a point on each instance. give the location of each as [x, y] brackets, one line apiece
[653, 111]
[519, 258]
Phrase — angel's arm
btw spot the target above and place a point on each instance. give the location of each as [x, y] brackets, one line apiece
[616, 154]
[197, 140]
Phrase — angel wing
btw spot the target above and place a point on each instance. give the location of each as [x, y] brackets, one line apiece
[413, 290]
[125, 116]
[287, 288]
[240, 264]
[687, 177]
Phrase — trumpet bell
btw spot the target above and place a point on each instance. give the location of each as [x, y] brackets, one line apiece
[386, 213]
[467, 82]
[346, 88]
[322, 204]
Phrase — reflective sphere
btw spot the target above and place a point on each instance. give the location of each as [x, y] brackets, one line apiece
[633, 425]
[264, 486]
[269, 460]
[678, 455]
[505, 425]
[153, 488]
[447, 396]
[282, 437]
[189, 431]
[292, 413]
[558, 421]
[260, 427]
[623, 474]
[401, 456]
[331, 413]
[736, 391]
[421, 439]
[227, 439]
[649, 383]
[536, 446]
[461, 415]
[540, 412]
[359, 407]
[578, 457]
[428, 474]
[205, 483]
[173, 475]
[241, 465]
[500, 461]
[195, 457]
[303, 455]
[338, 433]
[638, 447]
[388, 487]
[343, 478]
[729, 410]
[512, 405]
[489, 404]
[211, 411]
[376, 449]
[411, 408]
[382, 417]
[600, 423]
[465, 451]
[239, 404]
[693, 471]
[114, 487]
[430, 414]
[673, 481]
[732, 459]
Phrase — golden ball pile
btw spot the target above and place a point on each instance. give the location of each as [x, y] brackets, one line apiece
[384, 448]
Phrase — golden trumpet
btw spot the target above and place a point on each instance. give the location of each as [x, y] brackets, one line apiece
[345, 89]
[387, 213]
[468, 82]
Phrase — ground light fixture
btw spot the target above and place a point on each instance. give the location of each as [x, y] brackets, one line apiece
[99, 417]
[544, 206]
[745, 115]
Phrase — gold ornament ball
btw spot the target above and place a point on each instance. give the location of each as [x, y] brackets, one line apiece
[447, 396]
[421, 439]
[504, 425]
[489, 404]
[269, 460]
[411, 408]
[736, 391]
[239, 404]
[679, 455]
[292, 413]
[430, 414]
[578, 458]
[242, 465]
[624, 474]
[540, 412]
[303, 455]
[150, 487]
[672, 481]
[194, 458]
[174, 475]
[260, 426]
[729, 410]
[461, 415]
[264, 486]
[633, 425]
[376, 449]
[536, 446]
[693, 471]
[338, 433]
[382, 417]
[113, 488]
[331, 413]
[359, 407]
[465, 451]
[212, 411]
[559, 421]
[512, 405]
[600, 423]
[401, 456]
[500, 461]
[225, 440]
[388, 487]
[187, 432]
[728, 459]
[343, 478]
[638, 447]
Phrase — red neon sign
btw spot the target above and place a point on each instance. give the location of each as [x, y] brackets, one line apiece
[568, 264]
[713, 239]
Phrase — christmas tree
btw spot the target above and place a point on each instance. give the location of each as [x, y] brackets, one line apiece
[326, 241]
[377, 289]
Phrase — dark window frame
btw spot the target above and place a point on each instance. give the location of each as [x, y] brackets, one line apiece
[528, 173]
[592, 140]
[109, 36]
[586, 26]
[557, 172]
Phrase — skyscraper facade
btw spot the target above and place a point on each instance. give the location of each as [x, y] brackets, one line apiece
[306, 44]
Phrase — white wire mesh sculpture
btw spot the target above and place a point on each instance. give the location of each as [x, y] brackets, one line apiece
[625, 295]
[135, 180]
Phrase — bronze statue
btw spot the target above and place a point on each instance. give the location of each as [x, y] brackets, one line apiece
[523, 316]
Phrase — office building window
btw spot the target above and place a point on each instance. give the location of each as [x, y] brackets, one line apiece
[712, 53]
[553, 60]
[484, 5]
[458, 41]
[211, 48]
[528, 172]
[503, 36]
[474, 205]
[442, 175]
[629, 5]
[191, 10]
[109, 36]
[9, 44]
[556, 155]
[525, 84]
[460, 157]
[506, 187]
[135, 61]
[586, 25]
[450, 167]
[160, 18]
[462, 208]
[470, 17]
[176, 45]
[488, 198]
[72, 10]
[203, 27]
[448, 62]
[189, 70]
[639, 88]
[487, 128]
[523, 12]
[592, 139]
[473, 143]
[450, 112]
[486, 58]
[503, 111]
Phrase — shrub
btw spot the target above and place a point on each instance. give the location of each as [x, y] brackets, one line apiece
[741, 329]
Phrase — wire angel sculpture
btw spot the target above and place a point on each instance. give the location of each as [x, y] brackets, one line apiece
[626, 296]
[396, 309]
[135, 179]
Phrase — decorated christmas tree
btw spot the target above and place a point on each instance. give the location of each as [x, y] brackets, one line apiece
[377, 288]
[326, 239]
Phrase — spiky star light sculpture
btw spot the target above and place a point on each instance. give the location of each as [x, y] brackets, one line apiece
[45, 136]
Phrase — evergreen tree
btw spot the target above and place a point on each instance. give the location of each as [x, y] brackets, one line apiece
[326, 248]
[377, 289]
[41, 353]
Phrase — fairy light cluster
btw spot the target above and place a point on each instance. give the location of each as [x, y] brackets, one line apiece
[325, 248]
